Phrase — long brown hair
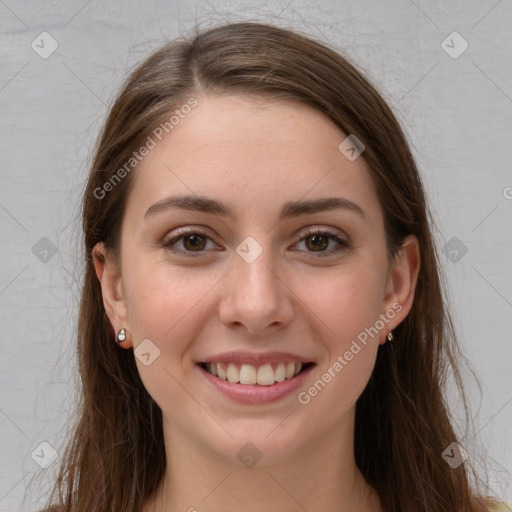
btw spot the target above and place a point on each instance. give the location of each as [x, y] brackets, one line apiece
[115, 458]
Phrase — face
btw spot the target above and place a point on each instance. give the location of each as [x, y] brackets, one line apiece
[261, 273]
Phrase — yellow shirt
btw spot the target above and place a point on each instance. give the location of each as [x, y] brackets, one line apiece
[502, 507]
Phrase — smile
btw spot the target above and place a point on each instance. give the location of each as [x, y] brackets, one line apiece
[255, 384]
[248, 374]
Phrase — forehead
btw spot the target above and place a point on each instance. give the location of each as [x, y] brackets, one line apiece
[247, 150]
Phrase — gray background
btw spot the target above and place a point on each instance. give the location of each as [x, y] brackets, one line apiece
[457, 113]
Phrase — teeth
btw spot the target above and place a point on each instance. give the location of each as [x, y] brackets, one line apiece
[266, 375]
[248, 374]
[220, 371]
[280, 373]
[233, 373]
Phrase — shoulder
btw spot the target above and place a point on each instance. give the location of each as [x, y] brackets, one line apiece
[500, 507]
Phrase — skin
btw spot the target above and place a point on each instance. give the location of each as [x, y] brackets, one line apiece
[255, 154]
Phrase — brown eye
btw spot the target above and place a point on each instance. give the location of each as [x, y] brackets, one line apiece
[317, 242]
[194, 242]
[188, 243]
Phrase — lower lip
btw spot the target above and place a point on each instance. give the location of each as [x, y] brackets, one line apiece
[254, 394]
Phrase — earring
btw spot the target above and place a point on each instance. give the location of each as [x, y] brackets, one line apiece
[390, 334]
[121, 335]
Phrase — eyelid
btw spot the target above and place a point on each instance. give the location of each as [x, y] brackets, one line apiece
[313, 230]
[181, 233]
[343, 242]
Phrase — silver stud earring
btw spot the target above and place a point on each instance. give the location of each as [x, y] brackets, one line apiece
[121, 335]
[390, 334]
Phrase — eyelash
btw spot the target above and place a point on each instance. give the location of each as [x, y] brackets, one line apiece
[342, 244]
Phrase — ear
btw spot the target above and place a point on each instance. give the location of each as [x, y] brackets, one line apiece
[401, 284]
[112, 290]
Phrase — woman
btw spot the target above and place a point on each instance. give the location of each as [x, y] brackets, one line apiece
[262, 325]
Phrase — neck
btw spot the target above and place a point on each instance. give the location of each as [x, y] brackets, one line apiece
[322, 475]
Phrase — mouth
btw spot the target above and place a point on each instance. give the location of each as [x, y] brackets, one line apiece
[253, 384]
[264, 375]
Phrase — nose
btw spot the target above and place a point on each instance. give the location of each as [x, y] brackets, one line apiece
[256, 297]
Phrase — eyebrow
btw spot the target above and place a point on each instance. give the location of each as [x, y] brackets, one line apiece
[289, 209]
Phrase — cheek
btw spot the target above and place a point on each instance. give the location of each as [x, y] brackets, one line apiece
[348, 301]
[349, 308]
[338, 385]
[164, 302]
[167, 306]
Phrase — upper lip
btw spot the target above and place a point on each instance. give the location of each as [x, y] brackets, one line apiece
[244, 357]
